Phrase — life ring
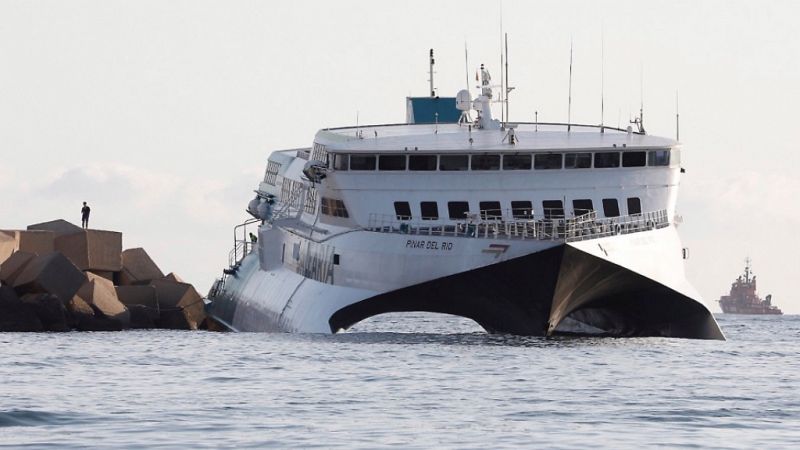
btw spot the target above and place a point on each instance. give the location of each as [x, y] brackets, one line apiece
[617, 229]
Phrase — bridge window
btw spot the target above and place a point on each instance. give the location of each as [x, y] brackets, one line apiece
[340, 162]
[634, 206]
[458, 210]
[553, 209]
[333, 207]
[610, 207]
[582, 206]
[402, 210]
[634, 159]
[490, 210]
[362, 162]
[429, 210]
[522, 209]
[422, 162]
[606, 160]
[658, 158]
[517, 162]
[578, 161]
[392, 162]
[547, 161]
[485, 162]
[454, 162]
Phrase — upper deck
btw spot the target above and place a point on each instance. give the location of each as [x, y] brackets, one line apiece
[533, 137]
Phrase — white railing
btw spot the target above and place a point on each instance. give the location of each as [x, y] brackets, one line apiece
[579, 228]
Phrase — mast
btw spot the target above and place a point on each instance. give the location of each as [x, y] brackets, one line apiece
[433, 92]
[569, 101]
[508, 88]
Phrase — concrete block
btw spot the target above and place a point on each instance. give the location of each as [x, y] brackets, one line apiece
[100, 294]
[173, 277]
[137, 266]
[107, 274]
[51, 273]
[12, 267]
[16, 315]
[180, 305]
[60, 227]
[49, 309]
[141, 317]
[96, 250]
[39, 242]
[138, 295]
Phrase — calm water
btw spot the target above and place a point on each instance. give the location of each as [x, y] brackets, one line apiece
[416, 381]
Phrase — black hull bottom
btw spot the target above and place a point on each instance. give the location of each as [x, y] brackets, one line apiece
[533, 294]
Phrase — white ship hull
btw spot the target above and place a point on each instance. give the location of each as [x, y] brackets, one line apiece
[623, 285]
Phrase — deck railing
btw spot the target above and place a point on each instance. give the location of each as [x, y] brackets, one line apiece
[579, 228]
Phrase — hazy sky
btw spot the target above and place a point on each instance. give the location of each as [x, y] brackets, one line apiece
[161, 114]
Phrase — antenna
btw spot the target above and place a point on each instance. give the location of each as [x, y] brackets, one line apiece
[508, 88]
[433, 92]
[502, 83]
[569, 101]
[602, 81]
[466, 65]
[677, 118]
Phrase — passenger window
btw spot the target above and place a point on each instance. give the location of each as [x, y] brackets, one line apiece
[578, 161]
[634, 159]
[610, 207]
[606, 160]
[402, 210]
[522, 209]
[485, 162]
[553, 209]
[333, 207]
[458, 210]
[634, 206]
[490, 210]
[658, 158]
[340, 162]
[422, 162]
[454, 162]
[429, 210]
[517, 162]
[362, 162]
[547, 161]
[392, 162]
[582, 206]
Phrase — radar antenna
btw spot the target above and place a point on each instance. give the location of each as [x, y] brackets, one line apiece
[433, 90]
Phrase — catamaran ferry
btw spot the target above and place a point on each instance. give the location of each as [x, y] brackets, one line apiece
[525, 228]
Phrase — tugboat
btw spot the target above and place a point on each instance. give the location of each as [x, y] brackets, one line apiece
[743, 298]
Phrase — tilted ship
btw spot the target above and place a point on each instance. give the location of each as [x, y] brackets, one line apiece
[526, 228]
[743, 298]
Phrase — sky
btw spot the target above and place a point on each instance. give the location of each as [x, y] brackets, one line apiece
[162, 114]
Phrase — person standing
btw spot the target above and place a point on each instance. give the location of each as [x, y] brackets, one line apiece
[85, 215]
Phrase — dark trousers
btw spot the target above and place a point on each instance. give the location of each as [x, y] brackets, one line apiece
[85, 221]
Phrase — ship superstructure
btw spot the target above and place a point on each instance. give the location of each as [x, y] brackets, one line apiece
[525, 228]
[743, 298]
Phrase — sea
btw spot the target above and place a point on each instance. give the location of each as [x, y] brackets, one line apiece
[402, 381]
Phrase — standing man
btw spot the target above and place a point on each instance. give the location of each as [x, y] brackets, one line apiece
[85, 215]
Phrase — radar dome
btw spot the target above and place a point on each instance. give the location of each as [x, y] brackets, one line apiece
[463, 100]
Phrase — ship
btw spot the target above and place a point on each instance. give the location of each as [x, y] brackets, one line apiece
[526, 228]
[743, 298]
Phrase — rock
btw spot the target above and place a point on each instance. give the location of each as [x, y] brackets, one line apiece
[13, 266]
[38, 242]
[212, 325]
[100, 294]
[51, 273]
[59, 227]
[137, 266]
[78, 312]
[16, 315]
[180, 305]
[95, 250]
[49, 309]
[142, 317]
